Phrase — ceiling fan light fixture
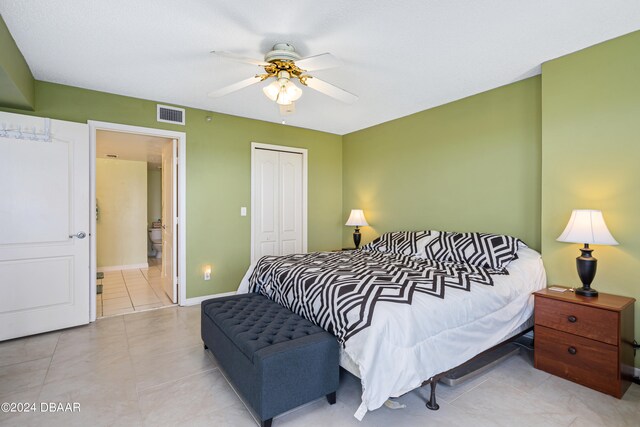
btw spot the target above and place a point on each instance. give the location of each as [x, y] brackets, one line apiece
[282, 91]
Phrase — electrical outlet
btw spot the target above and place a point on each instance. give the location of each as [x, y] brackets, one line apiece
[207, 275]
[243, 211]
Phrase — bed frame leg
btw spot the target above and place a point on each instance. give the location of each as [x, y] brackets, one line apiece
[431, 403]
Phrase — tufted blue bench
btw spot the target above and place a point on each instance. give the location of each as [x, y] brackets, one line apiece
[274, 358]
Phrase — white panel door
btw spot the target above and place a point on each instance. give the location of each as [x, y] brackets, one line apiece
[265, 209]
[290, 203]
[44, 228]
[168, 275]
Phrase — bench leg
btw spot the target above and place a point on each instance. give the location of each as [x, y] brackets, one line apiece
[331, 398]
[266, 423]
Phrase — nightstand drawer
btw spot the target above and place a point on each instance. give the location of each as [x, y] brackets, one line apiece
[588, 362]
[589, 322]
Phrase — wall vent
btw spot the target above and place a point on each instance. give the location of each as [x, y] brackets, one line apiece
[168, 114]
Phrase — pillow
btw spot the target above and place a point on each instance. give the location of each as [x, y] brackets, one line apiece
[402, 242]
[490, 251]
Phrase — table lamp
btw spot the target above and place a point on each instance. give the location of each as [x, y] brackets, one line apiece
[357, 219]
[587, 226]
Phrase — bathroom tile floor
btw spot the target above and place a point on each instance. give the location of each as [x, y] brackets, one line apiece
[127, 291]
[150, 369]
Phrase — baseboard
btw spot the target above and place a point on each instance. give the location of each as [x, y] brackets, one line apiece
[198, 300]
[124, 267]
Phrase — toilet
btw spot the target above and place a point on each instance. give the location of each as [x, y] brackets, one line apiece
[155, 235]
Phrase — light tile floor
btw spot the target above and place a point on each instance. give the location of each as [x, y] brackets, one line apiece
[150, 369]
[126, 291]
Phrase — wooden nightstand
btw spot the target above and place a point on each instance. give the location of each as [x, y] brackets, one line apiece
[586, 340]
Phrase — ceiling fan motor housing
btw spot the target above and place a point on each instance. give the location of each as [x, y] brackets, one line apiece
[282, 52]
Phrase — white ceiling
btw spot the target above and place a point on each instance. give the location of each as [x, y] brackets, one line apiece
[400, 57]
[130, 146]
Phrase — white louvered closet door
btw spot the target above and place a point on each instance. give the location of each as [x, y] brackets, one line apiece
[277, 203]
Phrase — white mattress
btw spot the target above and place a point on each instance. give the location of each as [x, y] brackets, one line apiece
[408, 344]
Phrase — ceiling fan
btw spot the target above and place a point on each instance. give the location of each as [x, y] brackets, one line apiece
[284, 64]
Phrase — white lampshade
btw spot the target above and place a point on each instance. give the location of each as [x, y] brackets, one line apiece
[357, 218]
[587, 226]
[271, 91]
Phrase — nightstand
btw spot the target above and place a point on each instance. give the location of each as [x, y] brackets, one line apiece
[585, 340]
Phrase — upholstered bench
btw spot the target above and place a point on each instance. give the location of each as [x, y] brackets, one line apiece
[274, 358]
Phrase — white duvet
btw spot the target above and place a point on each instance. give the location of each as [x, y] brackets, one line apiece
[408, 344]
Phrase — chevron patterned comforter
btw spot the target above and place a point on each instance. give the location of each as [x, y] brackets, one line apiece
[401, 319]
[339, 291]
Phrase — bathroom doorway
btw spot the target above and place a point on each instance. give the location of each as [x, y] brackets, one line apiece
[135, 235]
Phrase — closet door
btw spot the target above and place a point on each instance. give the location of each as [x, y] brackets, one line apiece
[278, 203]
[266, 165]
[290, 203]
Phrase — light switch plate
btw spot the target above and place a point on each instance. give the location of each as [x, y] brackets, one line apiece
[243, 211]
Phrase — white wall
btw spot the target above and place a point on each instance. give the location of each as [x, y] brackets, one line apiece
[121, 193]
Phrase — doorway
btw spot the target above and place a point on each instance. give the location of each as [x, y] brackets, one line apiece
[138, 196]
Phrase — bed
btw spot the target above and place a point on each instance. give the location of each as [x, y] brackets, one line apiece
[410, 305]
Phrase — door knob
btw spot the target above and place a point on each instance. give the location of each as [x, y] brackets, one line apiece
[80, 235]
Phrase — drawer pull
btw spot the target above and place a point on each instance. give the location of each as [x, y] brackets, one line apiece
[572, 319]
[572, 350]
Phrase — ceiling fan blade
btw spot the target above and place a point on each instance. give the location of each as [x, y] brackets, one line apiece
[287, 110]
[318, 62]
[234, 87]
[330, 90]
[239, 58]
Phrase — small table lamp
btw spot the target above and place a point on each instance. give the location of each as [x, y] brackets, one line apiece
[356, 219]
[588, 227]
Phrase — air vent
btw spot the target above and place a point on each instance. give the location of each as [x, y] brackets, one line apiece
[168, 114]
[112, 156]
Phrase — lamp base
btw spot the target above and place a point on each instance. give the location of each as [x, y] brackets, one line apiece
[587, 266]
[356, 237]
[586, 292]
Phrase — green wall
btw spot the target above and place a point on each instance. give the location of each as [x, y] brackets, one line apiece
[218, 176]
[591, 160]
[121, 229]
[16, 80]
[471, 165]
